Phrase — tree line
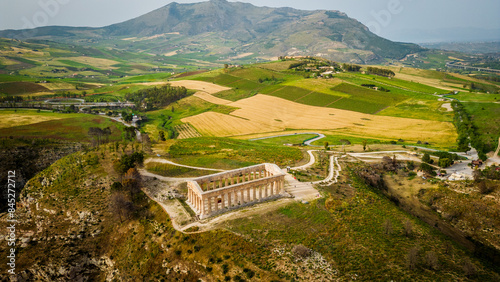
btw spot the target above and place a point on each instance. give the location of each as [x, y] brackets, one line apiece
[380, 72]
[467, 132]
[351, 68]
[156, 97]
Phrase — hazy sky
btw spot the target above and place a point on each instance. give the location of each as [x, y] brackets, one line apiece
[389, 18]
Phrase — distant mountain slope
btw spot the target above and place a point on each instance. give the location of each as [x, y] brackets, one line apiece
[228, 29]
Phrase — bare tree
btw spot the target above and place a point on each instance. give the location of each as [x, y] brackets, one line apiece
[388, 227]
[301, 251]
[408, 229]
[431, 260]
[469, 268]
[120, 206]
[412, 258]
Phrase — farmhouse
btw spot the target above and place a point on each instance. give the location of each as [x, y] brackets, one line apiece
[218, 193]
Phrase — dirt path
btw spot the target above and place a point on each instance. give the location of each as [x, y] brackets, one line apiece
[312, 160]
[144, 172]
[498, 149]
[159, 160]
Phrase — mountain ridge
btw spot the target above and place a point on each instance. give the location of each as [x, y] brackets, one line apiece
[222, 28]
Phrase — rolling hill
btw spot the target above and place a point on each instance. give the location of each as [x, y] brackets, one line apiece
[219, 29]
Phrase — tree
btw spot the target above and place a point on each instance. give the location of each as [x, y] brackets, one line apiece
[364, 145]
[427, 168]
[120, 206]
[469, 268]
[412, 258]
[431, 260]
[388, 227]
[408, 229]
[426, 158]
[326, 145]
[161, 135]
[445, 162]
[132, 181]
[301, 251]
[410, 165]
[128, 117]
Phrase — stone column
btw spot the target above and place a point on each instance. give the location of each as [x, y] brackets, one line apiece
[199, 205]
[216, 203]
[248, 195]
[202, 208]
[209, 200]
[229, 199]
[226, 182]
[195, 203]
[254, 193]
[260, 191]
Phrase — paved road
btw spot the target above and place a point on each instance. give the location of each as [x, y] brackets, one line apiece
[312, 160]
[308, 143]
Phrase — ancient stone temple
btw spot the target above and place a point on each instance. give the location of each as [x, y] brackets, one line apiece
[217, 193]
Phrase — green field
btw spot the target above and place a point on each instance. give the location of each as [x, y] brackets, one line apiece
[292, 139]
[486, 117]
[225, 153]
[319, 99]
[287, 92]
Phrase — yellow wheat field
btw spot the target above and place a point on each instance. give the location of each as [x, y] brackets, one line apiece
[212, 99]
[186, 131]
[95, 62]
[217, 124]
[262, 113]
[207, 87]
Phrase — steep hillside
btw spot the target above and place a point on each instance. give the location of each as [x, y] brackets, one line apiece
[235, 30]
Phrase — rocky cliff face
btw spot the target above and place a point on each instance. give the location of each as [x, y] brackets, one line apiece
[60, 217]
[29, 159]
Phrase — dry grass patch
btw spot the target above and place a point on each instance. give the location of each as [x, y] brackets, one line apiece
[434, 82]
[95, 62]
[7, 62]
[12, 120]
[58, 86]
[15, 51]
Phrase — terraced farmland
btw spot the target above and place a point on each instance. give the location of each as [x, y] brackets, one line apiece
[186, 131]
